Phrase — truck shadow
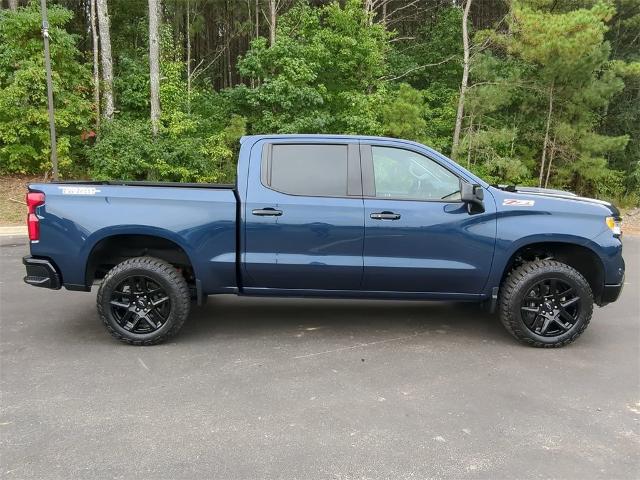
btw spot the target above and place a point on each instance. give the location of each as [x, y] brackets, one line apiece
[230, 316]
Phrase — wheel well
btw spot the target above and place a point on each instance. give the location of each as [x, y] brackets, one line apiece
[110, 251]
[583, 259]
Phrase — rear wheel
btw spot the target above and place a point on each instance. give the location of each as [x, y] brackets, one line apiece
[546, 303]
[143, 301]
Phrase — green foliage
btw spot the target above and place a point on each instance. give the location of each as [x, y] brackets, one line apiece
[131, 85]
[440, 116]
[324, 73]
[332, 70]
[198, 137]
[433, 56]
[403, 114]
[431, 63]
[24, 127]
[549, 66]
[127, 150]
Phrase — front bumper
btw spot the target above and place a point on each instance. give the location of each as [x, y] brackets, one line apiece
[41, 273]
[610, 293]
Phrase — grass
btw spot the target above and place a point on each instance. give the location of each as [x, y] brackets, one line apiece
[13, 189]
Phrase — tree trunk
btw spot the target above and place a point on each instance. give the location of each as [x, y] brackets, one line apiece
[154, 62]
[368, 10]
[551, 156]
[13, 5]
[228, 30]
[272, 22]
[546, 136]
[256, 81]
[465, 80]
[384, 13]
[470, 136]
[107, 62]
[96, 63]
[188, 33]
[257, 18]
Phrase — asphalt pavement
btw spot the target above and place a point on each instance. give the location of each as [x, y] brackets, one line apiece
[313, 389]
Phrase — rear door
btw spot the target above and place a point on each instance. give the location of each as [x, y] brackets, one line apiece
[304, 226]
[419, 236]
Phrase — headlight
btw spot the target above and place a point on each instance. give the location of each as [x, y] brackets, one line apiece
[615, 224]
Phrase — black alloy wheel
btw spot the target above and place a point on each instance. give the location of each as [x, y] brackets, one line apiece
[551, 307]
[140, 305]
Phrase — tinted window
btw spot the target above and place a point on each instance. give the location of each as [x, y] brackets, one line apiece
[403, 174]
[318, 170]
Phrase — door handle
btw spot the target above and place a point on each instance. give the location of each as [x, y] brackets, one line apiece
[385, 216]
[267, 212]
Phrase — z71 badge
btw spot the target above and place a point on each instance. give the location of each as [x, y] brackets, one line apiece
[514, 202]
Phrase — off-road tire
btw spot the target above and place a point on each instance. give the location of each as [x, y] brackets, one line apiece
[519, 282]
[161, 273]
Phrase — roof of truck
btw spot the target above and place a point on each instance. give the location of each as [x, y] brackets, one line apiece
[328, 136]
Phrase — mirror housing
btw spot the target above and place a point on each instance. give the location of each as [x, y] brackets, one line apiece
[473, 195]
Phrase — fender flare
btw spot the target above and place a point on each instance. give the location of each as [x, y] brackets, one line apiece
[505, 252]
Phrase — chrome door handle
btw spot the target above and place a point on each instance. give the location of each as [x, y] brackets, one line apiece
[385, 216]
[267, 212]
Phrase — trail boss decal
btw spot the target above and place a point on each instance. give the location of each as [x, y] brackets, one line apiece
[513, 202]
[79, 190]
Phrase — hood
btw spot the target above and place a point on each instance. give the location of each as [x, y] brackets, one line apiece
[553, 193]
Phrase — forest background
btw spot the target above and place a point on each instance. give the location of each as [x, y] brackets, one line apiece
[530, 92]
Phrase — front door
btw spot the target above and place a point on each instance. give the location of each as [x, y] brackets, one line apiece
[419, 236]
[304, 227]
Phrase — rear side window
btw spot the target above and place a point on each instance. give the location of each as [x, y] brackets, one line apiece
[313, 170]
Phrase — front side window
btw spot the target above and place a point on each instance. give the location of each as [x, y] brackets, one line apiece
[313, 170]
[406, 175]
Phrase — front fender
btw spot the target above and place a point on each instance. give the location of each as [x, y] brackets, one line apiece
[506, 249]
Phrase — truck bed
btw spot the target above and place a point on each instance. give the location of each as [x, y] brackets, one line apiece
[200, 219]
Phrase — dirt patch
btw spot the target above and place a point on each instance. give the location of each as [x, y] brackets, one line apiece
[13, 189]
[631, 221]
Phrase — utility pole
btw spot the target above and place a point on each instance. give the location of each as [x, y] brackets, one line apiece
[47, 65]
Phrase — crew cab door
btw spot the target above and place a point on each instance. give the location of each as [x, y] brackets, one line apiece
[304, 217]
[419, 235]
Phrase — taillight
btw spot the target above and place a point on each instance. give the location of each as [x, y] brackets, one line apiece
[34, 199]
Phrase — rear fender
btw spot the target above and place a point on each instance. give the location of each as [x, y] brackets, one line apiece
[96, 237]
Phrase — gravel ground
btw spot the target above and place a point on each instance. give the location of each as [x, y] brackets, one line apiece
[631, 221]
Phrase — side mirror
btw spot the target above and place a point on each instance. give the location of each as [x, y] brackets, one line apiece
[473, 195]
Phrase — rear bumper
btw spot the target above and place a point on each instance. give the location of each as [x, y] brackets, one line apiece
[611, 293]
[41, 273]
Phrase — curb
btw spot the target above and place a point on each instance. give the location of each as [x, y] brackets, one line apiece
[18, 230]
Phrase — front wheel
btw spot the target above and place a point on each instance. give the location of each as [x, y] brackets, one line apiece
[143, 301]
[546, 303]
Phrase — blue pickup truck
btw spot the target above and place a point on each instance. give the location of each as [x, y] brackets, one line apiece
[328, 216]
